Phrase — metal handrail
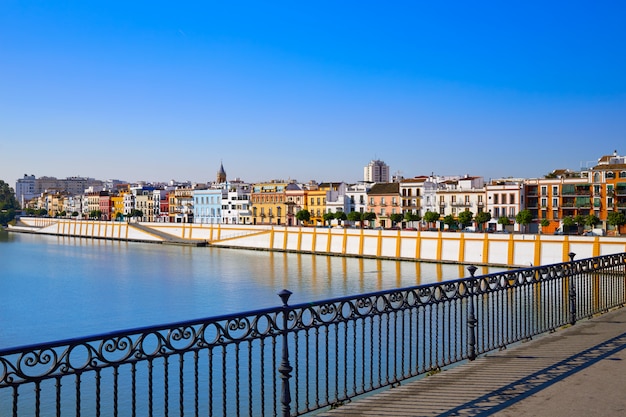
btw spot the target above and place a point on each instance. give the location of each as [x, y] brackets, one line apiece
[296, 359]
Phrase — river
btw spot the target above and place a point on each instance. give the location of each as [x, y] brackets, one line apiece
[56, 288]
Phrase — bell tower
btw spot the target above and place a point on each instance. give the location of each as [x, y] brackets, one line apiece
[221, 174]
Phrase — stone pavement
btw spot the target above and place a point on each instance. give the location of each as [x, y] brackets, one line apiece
[576, 371]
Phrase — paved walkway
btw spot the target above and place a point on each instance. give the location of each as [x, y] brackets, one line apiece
[576, 371]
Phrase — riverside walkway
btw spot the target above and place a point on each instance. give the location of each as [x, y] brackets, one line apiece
[576, 371]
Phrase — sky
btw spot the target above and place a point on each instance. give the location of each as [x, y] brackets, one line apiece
[161, 90]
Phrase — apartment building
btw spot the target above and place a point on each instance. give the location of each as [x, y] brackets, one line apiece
[384, 200]
[269, 202]
[462, 194]
[411, 193]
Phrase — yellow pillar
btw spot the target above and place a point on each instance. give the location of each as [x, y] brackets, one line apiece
[361, 243]
[398, 244]
[596, 247]
[379, 245]
[439, 246]
[462, 249]
[344, 244]
[566, 248]
[511, 250]
[418, 245]
[485, 248]
[299, 239]
[285, 238]
[330, 238]
[314, 240]
[271, 238]
[537, 260]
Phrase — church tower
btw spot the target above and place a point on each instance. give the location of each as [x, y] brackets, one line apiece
[221, 174]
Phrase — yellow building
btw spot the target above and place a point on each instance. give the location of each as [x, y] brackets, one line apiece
[117, 203]
[269, 203]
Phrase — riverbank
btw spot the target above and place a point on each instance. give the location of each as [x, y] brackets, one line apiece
[489, 249]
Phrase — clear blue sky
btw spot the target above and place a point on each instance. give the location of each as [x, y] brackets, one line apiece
[156, 90]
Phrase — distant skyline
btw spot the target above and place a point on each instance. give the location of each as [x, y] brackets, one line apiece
[155, 91]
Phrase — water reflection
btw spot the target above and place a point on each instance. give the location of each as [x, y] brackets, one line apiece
[62, 287]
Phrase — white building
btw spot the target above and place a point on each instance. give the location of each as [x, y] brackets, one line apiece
[25, 189]
[376, 171]
[356, 196]
[207, 206]
[236, 204]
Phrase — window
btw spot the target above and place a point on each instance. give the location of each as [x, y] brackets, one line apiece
[555, 202]
[467, 199]
[544, 190]
[371, 201]
[555, 190]
[511, 198]
[382, 201]
[495, 199]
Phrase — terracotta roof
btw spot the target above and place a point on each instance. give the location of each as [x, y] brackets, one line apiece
[385, 188]
[416, 179]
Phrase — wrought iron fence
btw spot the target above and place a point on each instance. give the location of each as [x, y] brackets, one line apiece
[294, 360]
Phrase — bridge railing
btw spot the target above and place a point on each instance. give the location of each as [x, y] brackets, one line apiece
[296, 359]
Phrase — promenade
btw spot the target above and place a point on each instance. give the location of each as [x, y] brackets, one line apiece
[576, 371]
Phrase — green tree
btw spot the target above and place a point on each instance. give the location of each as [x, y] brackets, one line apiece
[8, 203]
[431, 217]
[481, 218]
[95, 214]
[412, 217]
[328, 217]
[356, 216]
[395, 218]
[134, 213]
[544, 223]
[579, 219]
[341, 216]
[592, 220]
[369, 217]
[450, 221]
[504, 221]
[74, 214]
[616, 219]
[303, 216]
[42, 212]
[524, 218]
[465, 218]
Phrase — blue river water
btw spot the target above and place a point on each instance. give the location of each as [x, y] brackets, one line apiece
[55, 288]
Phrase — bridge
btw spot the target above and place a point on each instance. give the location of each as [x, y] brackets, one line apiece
[463, 343]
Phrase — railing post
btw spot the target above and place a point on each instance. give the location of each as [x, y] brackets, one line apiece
[572, 291]
[471, 318]
[285, 369]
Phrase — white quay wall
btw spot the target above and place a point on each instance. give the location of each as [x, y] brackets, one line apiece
[467, 248]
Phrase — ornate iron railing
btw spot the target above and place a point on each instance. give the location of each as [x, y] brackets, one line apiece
[293, 360]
